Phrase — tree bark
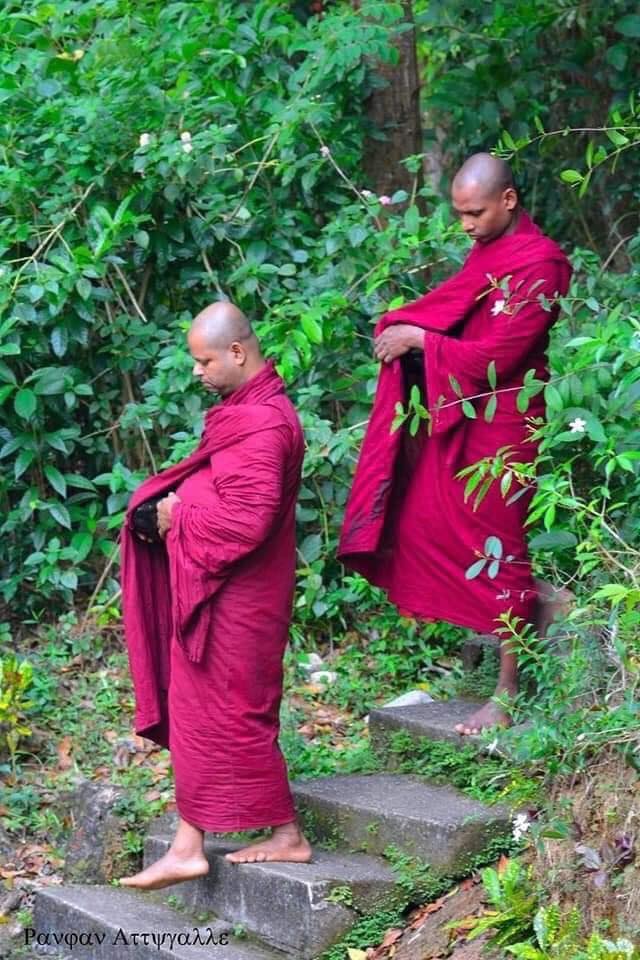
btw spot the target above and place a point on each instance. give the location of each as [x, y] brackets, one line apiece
[393, 110]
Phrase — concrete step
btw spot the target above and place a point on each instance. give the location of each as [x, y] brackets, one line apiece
[300, 908]
[371, 812]
[108, 923]
[433, 721]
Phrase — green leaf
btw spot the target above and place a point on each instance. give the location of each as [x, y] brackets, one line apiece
[490, 409]
[50, 380]
[469, 410]
[455, 386]
[311, 327]
[553, 540]
[628, 26]
[311, 548]
[412, 220]
[69, 579]
[84, 288]
[357, 235]
[76, 480]
[553, 398]
[61, 514]
[493, 570]
[491, 375]
[25, 403]
[617, 139]
[59, 341]
[475, 569]
[56, 479]
[23, 462]
[571, 176]
[493, 547]
[81, 543]
[287, 270]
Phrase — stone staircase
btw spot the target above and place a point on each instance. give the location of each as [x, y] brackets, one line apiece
[287, 911]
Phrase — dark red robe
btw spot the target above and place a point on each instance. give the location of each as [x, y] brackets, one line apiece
[207, 612]
[407, 527]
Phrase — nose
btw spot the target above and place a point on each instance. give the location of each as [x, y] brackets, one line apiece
[197, 370]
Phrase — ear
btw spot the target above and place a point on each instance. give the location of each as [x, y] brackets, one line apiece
[510, 198]
[238, 353]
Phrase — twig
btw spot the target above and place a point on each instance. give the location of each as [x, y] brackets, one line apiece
[130, 293]
[103, 576]
[50, 237]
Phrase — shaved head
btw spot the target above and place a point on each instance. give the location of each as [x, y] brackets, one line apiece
[491, 174]
[220, 324]
[485, 198]
[224, 347]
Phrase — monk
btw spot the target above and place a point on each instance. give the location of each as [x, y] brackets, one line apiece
[407, 526]
[207, 607]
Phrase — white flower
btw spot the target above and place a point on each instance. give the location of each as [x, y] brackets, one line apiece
[325, 151]
[145, 139]
[498, 307]
[367, 194]
[385, 200]
[185, 136]
[578, 425]
[521, 824]
[187, 147]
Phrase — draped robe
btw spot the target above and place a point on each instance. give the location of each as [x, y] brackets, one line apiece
[206, 612]
[407, 527]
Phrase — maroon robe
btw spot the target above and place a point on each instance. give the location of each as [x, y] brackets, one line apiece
[207, 612]
[407, 527]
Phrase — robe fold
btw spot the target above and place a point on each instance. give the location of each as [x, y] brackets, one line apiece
[406, 526]
[206, 612]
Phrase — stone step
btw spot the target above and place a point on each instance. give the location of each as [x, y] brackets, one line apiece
[300, 908]
[371, 812]
[433, 721]
[109, 917]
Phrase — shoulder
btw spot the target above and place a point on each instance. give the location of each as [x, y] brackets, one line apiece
[543, 274]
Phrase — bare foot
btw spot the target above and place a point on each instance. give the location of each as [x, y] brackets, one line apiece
[285, 843]
[490, 715]
[171, 868]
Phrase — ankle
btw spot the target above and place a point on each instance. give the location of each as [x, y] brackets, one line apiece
[290, 829]
[185, 851]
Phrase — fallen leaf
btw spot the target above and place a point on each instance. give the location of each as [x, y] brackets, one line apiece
[391, 936]
[64, 749]
[356, 954]
[503, 863]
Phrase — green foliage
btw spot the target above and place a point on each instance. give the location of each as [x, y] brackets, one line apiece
[529, 932]
[486, 778]
[524, 74]
[512, 904]
[15, 681]
[186, 145]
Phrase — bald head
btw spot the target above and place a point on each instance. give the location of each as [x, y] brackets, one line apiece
[485, 198]
[489, 174]
[220, 324]
[224, 347]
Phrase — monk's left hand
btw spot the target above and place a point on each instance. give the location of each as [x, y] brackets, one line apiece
[165, 509]
[397, 340]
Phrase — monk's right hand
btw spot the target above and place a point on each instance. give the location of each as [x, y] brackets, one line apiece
[397, 340]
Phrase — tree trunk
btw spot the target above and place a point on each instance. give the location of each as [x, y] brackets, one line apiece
[393, 110]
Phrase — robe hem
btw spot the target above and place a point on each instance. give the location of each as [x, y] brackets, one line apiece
[255, 825]
[458, 621]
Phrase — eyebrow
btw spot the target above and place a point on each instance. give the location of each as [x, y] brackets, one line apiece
[472, 212]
